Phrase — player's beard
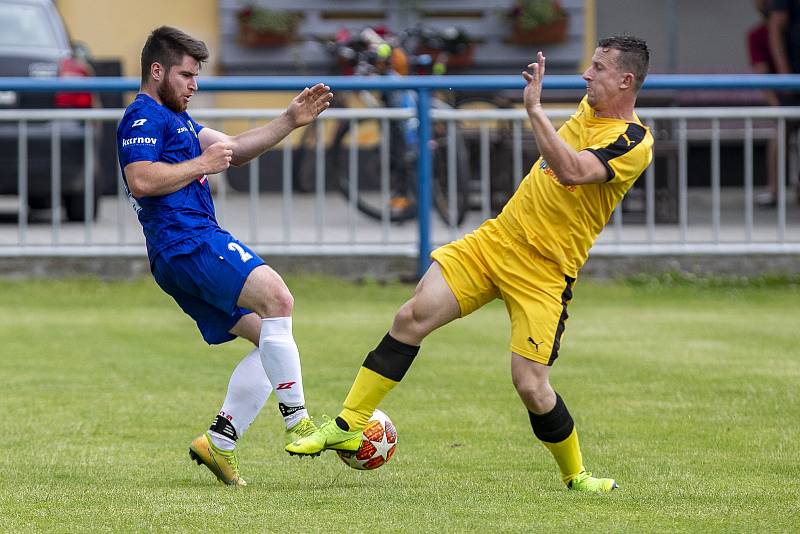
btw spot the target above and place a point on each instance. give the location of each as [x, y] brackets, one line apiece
[170, 98]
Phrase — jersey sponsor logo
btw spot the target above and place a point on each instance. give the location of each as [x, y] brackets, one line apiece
[181, 130]
[282, 385]
[549, 172]
[139, 141]
[138, 122]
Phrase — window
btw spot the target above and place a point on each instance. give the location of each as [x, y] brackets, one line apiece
[27, 26]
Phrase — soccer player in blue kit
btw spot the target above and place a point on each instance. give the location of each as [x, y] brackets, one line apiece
[166, 159]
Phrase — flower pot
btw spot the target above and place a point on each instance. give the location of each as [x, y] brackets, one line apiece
[555, 32]
[463, 59]
[252, 38]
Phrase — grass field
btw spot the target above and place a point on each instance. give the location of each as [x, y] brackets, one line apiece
[687, 393]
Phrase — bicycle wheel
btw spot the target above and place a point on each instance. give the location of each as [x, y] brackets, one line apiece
[450, 191]
[304, 160]
[374, 197]
[501, 174]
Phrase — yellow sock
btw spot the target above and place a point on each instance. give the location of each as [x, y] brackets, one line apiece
[367, 392]
[568, 456]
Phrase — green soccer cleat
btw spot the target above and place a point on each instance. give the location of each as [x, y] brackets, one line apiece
[304, 427]
[224, 464]
[328, 436]
[586, 482]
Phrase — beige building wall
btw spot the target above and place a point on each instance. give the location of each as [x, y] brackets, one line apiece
[114, 29]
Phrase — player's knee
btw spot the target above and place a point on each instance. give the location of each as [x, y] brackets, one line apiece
[410, 321]
[283, 303]
[537, 395]
[405, 319]
[279, 303]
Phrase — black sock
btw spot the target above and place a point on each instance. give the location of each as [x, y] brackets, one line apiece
[391, 358]
[555, 426]
[341, 423]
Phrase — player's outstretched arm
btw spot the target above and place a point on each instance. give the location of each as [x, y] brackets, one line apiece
[158, 178]
[569, 166]
[304, 108]
[307, 106]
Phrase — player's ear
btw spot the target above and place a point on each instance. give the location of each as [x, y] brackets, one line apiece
[156, 71]
[627, 81]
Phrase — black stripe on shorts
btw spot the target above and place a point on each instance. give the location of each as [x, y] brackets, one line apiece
[566, 296]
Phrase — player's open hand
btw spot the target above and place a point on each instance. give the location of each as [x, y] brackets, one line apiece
[533, 90]
[217, 157]
[306, 106]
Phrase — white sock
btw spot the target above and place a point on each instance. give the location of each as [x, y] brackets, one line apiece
[221, 442]
[281, 361]
[248, 390]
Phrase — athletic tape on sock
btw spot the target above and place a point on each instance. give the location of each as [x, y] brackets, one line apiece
[391, 358]
[555, 426]
[224, 427]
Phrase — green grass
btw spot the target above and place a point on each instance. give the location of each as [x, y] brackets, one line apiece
[688, 393]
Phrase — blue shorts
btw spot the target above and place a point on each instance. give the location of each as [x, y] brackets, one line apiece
[205, 276]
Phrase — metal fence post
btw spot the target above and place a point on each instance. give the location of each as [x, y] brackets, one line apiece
[425, 181]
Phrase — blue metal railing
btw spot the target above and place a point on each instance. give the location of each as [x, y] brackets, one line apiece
[423, 85]
[346, 83]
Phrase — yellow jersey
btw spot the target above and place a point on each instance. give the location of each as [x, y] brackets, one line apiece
[563, 221]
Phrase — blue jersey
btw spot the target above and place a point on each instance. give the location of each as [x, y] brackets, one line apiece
[151, 132]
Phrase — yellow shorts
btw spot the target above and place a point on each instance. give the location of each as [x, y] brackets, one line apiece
[489, 263]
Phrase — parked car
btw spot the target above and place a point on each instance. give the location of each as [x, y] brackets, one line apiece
[35, 43]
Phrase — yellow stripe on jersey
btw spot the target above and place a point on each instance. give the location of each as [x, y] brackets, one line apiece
[562, 222]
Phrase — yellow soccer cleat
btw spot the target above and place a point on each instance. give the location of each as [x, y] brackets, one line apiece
[328, 436]
[224, 464]
[586, 482]
[304, 427]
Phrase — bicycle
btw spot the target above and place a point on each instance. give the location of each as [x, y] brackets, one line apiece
[397, 200]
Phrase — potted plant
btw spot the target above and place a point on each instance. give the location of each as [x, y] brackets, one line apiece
[538, 22]
[266, 27]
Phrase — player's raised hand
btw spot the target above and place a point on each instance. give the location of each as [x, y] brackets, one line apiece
[217, 157]
[533, 90]
[306, 106]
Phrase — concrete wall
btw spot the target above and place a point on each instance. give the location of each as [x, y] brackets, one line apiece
[485, 22]
[404, 268]
[709, 35]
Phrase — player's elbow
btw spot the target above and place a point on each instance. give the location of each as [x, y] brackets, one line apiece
[138, 186]
[573, 176]
[568, 179]
[584, 171]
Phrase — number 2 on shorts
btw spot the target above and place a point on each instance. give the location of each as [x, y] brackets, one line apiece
[236, 247]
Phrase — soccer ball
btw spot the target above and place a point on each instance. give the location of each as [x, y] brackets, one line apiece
[378, 443]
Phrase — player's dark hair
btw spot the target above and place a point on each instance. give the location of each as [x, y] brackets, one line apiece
[634, 56]
[167, 45]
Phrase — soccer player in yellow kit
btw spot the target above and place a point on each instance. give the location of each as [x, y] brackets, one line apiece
[529, 256]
